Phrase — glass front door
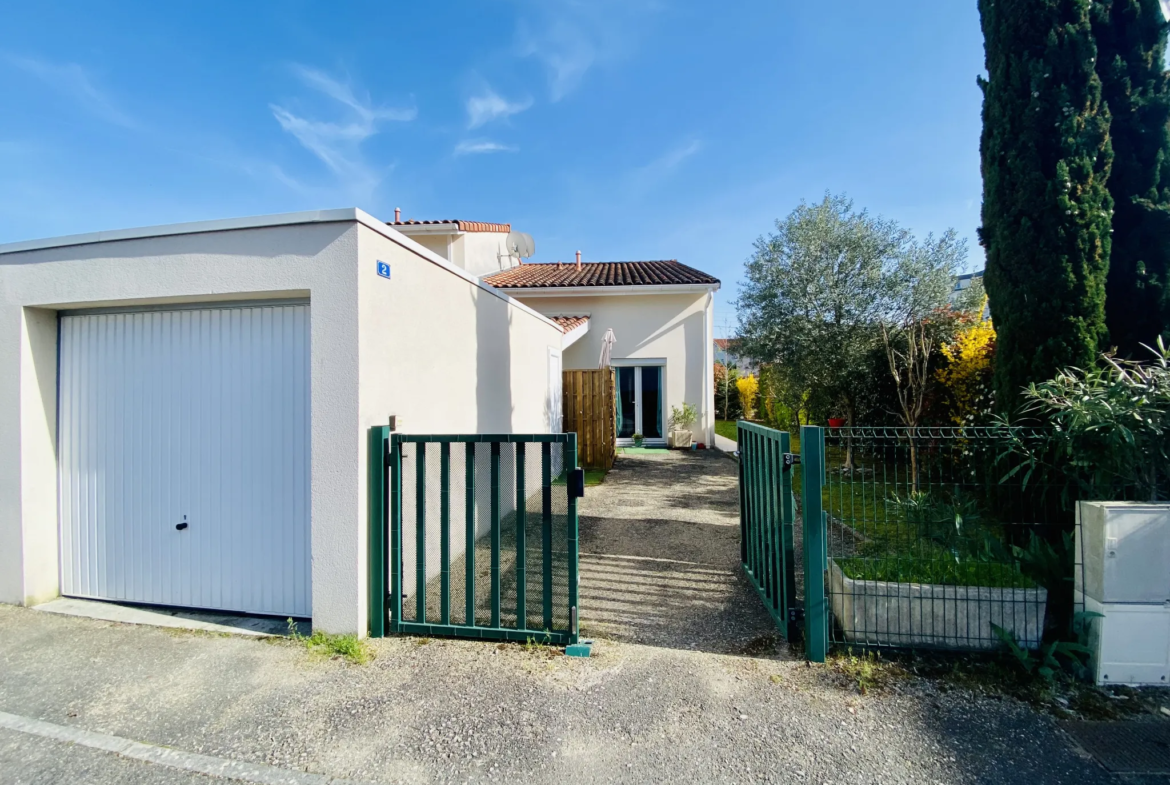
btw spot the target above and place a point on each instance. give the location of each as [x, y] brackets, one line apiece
[640, 401]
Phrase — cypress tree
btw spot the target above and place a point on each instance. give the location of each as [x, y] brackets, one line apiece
[1046, 211]
[1131, 51]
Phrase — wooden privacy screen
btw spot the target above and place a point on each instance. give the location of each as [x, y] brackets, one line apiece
[589, 412]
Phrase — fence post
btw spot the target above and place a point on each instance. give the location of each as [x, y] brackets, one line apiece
[376, 524]
[573, 542]
[816, 617]
[395, 533]
[787, 581]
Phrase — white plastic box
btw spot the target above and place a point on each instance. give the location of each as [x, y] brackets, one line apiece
[1123, 573]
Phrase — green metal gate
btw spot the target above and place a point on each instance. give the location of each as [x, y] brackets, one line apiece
[766, 518]
[476, 536]
[768, 474]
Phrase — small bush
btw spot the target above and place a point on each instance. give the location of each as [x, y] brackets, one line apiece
[348, 647]
[749, 388]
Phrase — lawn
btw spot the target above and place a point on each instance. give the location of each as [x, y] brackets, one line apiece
[726, 429]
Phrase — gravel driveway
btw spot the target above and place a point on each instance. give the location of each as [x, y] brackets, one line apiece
[660, 557]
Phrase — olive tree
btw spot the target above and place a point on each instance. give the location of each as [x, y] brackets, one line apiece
[817, 293]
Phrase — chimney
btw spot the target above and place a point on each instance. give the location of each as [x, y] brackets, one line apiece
[397, 214]
[559, 265]
[578, 260]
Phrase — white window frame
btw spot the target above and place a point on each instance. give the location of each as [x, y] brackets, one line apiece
[638, 363]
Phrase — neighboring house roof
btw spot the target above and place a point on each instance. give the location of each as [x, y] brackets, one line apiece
[725, 344]
[966, 279]
[569, 323]
[456, 225]
[540, 276]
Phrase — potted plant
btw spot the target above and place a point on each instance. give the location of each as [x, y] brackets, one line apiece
[637, 440]
[681, 420]
[836, 422]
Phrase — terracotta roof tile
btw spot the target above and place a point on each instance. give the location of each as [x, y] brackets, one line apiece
[539, 276]
[569, 323]
[461, 226]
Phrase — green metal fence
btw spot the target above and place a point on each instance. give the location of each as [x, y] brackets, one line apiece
[922, 538]
[767, 514]
[475, 535]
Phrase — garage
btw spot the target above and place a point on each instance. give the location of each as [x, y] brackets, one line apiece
[180, 427]
[184, 456]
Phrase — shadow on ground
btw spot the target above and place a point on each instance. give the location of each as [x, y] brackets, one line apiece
[660, 558]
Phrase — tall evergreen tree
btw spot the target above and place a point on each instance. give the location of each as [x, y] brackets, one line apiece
[1046, 210]
[1131, 52]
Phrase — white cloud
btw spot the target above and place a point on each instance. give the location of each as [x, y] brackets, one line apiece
[489, 105]
[338, 143]
[74, 82]
[571, 37]
[645, 177]
[477, 146]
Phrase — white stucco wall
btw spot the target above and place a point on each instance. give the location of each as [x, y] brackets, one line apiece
[673, 327]
[428, 344]
[446, 355]
[308, 260]
[439, 243]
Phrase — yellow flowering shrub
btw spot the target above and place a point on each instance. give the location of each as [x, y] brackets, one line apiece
[966, 376]
[749, 388]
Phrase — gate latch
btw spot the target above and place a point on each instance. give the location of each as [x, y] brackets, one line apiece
[791, 459]
[576, 483]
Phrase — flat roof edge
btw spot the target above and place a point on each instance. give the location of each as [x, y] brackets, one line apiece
[192, 227]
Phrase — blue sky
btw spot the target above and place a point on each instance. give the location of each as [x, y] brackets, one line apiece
[628, 129]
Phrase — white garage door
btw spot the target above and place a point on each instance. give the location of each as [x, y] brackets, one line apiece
[184, 457]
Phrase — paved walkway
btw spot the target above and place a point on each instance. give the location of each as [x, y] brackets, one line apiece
[724, 444]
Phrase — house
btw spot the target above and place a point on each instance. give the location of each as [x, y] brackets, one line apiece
[661, 313]
[727, 354]
[184, 409]
[964, 282]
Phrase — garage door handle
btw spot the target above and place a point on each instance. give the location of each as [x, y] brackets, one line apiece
[181, 526]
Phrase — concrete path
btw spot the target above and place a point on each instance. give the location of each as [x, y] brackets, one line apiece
[724, 444]
[172, 617]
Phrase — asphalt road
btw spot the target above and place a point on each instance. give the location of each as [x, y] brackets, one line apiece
[649, 706]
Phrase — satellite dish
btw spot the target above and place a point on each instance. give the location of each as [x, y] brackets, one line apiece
[521, 245]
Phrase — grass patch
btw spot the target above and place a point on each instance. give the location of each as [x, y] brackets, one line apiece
[941, 571]
[593, 477]
[726, 429]
[348, 647]
[867, 672]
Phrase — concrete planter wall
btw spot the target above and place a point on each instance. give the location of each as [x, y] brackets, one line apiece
[882, 613]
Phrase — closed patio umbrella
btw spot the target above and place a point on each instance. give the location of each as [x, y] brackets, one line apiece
[606, 348]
